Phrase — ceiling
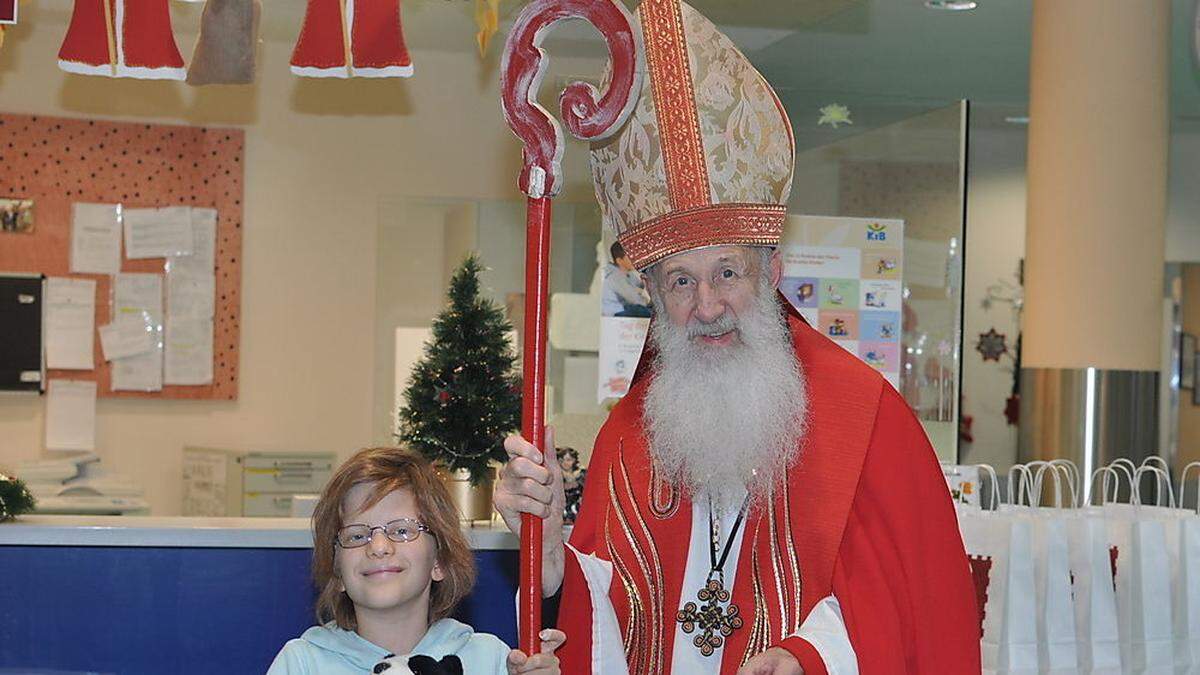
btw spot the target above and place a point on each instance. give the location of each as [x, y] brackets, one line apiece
[885, 59]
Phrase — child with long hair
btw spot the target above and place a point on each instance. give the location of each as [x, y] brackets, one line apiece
[391, 563]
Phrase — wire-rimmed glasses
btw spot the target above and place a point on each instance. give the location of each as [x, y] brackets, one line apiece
[401, 530]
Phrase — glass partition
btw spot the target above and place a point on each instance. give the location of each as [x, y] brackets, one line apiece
[910, 171]
[913, 171]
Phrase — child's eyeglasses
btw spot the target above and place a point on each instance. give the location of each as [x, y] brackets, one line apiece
[400, 531]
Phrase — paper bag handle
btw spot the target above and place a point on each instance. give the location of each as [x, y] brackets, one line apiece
[1183, 483]
[1161, 477]
[987, 468]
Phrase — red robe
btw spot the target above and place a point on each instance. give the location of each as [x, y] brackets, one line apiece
[864, 516]
[367, 32]
[143, 44]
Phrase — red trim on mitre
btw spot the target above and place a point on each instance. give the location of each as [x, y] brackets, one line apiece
[674, 93]
[712, 225]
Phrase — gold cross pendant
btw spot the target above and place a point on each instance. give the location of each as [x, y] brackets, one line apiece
[716, 622]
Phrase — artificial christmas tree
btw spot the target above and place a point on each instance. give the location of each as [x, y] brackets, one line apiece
[14, 498]
[465, 392]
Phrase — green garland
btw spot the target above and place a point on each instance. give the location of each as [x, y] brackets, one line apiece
[465, 393]
[14, 498]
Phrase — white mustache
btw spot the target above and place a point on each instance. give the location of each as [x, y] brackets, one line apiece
[718, 326]
[744, 418]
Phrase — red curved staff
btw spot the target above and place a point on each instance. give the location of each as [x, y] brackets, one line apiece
[589, 116]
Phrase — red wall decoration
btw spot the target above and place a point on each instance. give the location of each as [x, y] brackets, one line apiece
[58, 161]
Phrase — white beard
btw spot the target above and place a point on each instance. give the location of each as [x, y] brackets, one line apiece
[725, 420]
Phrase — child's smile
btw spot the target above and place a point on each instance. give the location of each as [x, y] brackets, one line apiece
[384, 575]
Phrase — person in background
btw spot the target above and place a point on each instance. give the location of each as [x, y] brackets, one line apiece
[624, 291]
[760, 502]
[390, 564]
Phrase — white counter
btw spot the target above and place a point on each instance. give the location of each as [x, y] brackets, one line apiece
[181, 532]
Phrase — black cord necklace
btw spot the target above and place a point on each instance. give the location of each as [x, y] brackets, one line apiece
[716, 617]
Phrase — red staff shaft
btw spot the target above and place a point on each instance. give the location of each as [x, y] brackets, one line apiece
[533, 409]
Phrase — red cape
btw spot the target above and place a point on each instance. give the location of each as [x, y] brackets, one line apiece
[865, 516]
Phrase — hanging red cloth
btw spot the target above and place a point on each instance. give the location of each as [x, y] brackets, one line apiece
[116, 38]
[345, 38]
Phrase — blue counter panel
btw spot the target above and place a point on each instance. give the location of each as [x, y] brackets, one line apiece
[182, 610]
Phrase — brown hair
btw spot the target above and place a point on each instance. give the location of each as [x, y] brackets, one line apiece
[390, 469]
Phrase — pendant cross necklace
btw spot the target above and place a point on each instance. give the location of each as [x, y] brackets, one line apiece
[715, 616]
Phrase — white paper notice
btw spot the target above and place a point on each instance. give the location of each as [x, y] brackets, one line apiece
[95, 239]
[189, 353]
[190, 296]
[823, 262]
[191, 305]
[71, 415]
[139, 373]
[204, 482]
[70, 323]
[134, 296]
[204, 241]
[621, 342]
[128, 336]
[157, 233]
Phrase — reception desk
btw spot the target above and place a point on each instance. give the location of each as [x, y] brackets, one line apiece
[184, 595]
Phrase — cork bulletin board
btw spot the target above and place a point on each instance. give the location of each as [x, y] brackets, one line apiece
[59, 161]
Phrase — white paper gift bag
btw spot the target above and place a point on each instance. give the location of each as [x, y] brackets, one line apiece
[1094, 592]
[1057, 639]
[1187, 584]
[1143, 586]
[1095, 596]
[999, 546]
[1182, 537]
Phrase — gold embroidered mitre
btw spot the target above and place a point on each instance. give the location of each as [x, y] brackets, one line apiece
[706, 157]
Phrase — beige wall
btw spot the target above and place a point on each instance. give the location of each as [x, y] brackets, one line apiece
[321, 159]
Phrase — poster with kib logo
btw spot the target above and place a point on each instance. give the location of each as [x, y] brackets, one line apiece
[845, 277]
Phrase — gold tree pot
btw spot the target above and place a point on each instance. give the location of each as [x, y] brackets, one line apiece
[474, 502]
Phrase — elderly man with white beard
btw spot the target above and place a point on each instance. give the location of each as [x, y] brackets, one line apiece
[761, 501]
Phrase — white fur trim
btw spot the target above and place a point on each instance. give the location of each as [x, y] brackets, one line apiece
[608, 650]
[344, 73]
[85, 68]
[142, 73]
[386, 71]
[825, 629]
[136, 72]
[314, 71]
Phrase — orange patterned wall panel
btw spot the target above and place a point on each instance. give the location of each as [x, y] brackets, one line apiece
[58, 161]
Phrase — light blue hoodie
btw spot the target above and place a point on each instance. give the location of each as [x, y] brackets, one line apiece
[329, 650]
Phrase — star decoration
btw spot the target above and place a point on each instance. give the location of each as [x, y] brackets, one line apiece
[992, 345]
[834, 114]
